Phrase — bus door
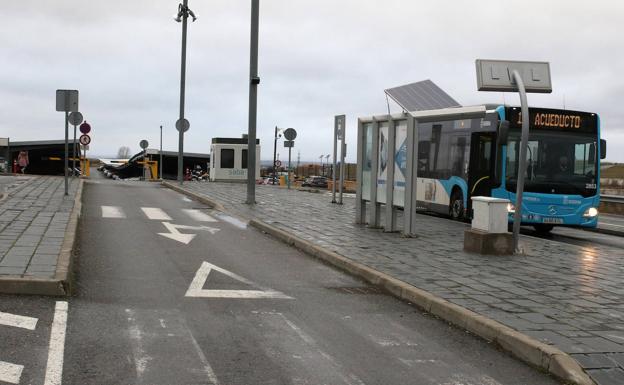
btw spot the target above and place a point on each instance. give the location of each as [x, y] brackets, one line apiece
[481, 167]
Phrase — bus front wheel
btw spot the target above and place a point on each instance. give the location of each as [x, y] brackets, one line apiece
[456, 206]
[543, 229]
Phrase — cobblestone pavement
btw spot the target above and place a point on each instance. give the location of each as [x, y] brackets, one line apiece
[33, 219]
[565, 295]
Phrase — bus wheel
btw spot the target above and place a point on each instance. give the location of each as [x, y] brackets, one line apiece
[456, 206]
[543, 229]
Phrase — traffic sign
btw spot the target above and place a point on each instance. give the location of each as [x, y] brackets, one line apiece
[85, 139]
[290, 134]
[75, 118]
[182, 124]
[144, 143]
[67, 100]
[289, 143]
[85, 127]
[278, 163]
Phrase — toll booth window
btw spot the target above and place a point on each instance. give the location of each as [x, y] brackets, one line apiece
[227, 158]
[244, 159]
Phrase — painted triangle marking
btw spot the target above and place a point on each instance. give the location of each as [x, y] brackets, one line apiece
[201, 276]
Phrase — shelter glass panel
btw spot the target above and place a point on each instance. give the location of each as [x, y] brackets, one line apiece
[366, 167]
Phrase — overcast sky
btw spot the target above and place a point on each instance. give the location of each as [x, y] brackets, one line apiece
[317, 59]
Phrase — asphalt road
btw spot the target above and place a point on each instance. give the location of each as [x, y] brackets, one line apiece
[231, 306]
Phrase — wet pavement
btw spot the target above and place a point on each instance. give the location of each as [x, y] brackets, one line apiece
[562, 294]
[33, 219]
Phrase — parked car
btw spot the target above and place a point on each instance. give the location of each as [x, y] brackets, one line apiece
[315, 181]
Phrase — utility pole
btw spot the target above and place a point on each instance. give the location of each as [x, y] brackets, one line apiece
[160, 160]
[275, 153]
[254, 80]
[183, 14]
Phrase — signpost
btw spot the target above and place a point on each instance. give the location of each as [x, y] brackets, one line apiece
[521, 77]
[67, 101]
[290, 134]
[85, 128]
[75, 118]
[339, 135]
[144, 143]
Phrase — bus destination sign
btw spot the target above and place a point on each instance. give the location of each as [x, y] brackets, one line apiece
[551, 119]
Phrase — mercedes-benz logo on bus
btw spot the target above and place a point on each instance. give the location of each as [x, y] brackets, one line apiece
[552, 210]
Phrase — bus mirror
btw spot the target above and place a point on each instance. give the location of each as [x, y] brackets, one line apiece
[603, 149]
[503, 132]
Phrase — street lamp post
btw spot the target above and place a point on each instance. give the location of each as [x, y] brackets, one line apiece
[160, 160]
[182, 16]
[277, 131]
[254, 80]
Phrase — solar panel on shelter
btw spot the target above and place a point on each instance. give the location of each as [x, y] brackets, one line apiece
[421, 96]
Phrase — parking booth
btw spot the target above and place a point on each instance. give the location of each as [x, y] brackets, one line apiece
[229, 159]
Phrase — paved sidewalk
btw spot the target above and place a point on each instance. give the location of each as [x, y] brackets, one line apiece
[34, 218]
[568, 296]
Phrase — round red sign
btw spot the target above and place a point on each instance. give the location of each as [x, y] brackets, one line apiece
[85, 127]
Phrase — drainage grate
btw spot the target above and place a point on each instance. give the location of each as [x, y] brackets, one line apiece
[357, 290]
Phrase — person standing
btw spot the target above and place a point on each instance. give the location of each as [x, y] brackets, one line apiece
[22, 160]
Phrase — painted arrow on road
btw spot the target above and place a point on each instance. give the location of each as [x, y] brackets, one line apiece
[182, 237]
[9, 372]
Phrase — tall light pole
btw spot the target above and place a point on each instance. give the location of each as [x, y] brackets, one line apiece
[276, 137]
[254, 80]
[160, 160]
[182, 16]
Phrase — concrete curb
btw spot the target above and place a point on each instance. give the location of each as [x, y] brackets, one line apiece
[543, 356]
[197, 197]
[529, 350]
[607, 231]
[61, 284]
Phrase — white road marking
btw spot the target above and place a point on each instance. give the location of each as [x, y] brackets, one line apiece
[198, 215]
[201, 276]
[140, 357]
[54, 368]
[185, 199]
[233, 221]
[112, 212]
[155, 214]
[348, 378]
[181, 237]
[212, 377]
[10, 373]
[18, 321]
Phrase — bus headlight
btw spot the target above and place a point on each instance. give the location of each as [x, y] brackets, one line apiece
[511, 208]
[590, 212]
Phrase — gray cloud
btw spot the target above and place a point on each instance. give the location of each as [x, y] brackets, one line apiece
[317, 59]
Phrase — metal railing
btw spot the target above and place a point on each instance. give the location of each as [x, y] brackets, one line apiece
[612, 198]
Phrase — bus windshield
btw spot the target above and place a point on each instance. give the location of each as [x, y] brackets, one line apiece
[558, 162]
